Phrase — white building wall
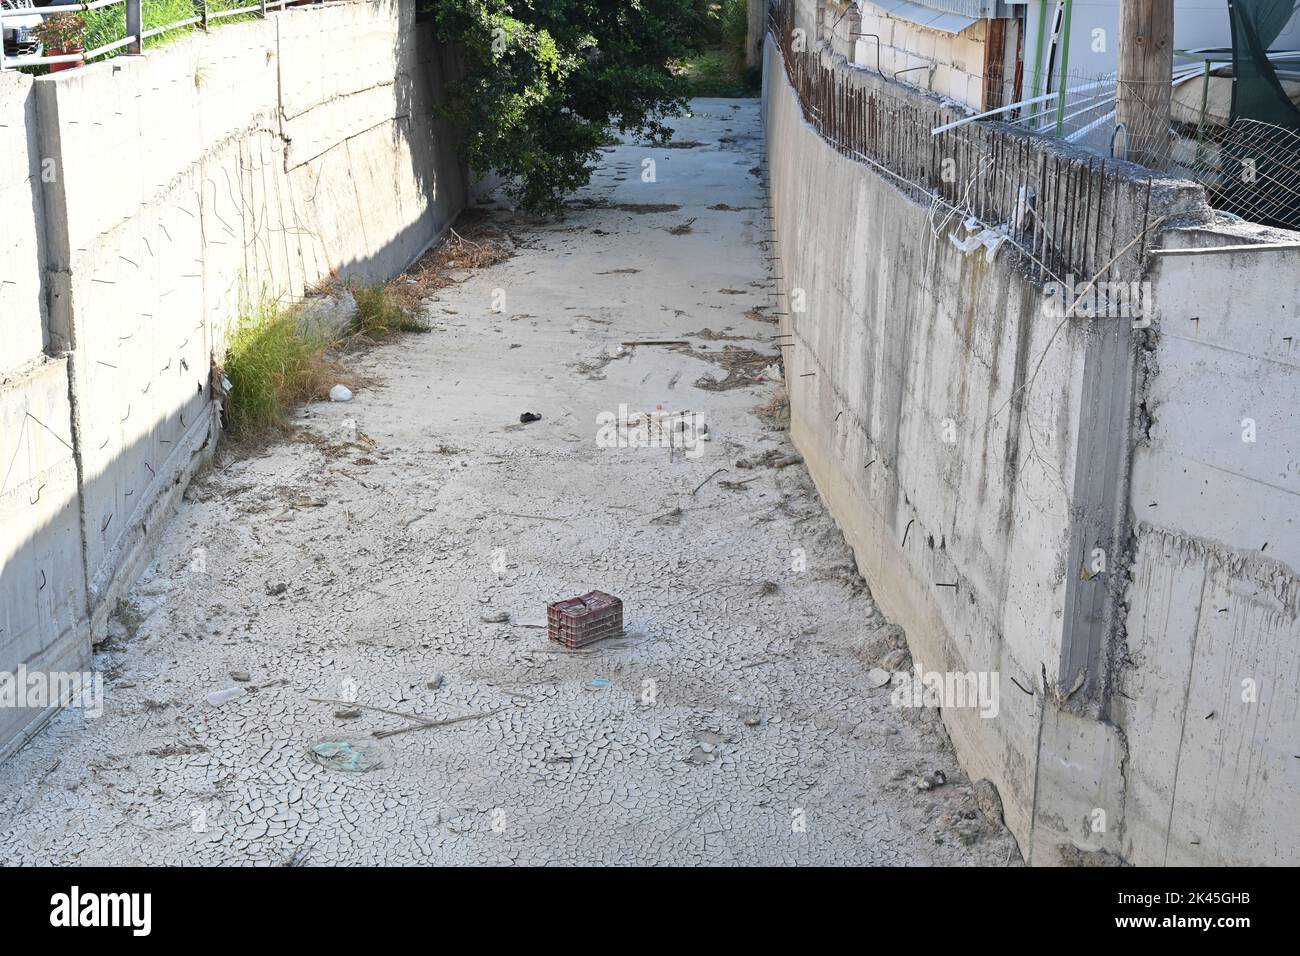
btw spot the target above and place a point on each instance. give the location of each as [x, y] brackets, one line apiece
[1094, 32]
[949, 64]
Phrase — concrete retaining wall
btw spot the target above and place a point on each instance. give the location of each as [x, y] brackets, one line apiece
[182, 188]
[43, 610]
[22, 226]
[1209, 690]
[975, 454]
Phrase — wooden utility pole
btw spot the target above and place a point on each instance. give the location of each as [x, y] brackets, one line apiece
[1146, 65]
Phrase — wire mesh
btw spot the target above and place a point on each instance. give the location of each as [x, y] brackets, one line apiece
[1248, 168]
[1063, 210]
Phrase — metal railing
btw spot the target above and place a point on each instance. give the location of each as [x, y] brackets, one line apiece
[136, 34]
[1066, 213]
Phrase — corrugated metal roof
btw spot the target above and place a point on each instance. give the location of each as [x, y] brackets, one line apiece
[924, 16]
[969, 9]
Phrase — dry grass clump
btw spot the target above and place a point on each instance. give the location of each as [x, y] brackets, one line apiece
[274, 364]
[271, 367]
[472, 243]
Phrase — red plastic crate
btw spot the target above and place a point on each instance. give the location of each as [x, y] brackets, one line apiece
[584, 620]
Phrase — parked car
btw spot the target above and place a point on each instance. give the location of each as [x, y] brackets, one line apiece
[18, 38]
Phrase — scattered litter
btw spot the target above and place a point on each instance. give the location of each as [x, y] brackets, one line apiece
[701, 754]
[990, 239]
[527, 417]
[593, 367]
[496, 617]
[931, 780]
[895, 660]
[348, 755]
[879, 677]
[436, 682]
[600, 682]
[772, 458]
[584, 620]
[347, 713]
[241, 676]
[219, 697]
[744, 367]
[340, 393]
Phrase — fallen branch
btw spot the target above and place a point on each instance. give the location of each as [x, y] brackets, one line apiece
[707, 480]
[538, 517]
[426, 724]
[353, 703]
[418, 723]
[461, 239]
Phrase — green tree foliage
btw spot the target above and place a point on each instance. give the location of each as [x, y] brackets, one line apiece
[545, 80]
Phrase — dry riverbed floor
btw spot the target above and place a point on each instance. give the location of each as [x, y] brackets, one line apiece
[389, 566]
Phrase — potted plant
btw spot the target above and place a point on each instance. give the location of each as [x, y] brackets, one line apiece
[62, 35]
